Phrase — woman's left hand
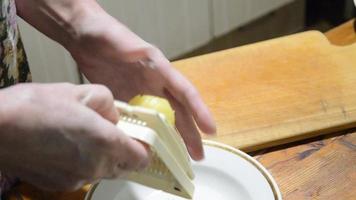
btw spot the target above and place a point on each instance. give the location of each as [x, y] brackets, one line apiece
[110, 54]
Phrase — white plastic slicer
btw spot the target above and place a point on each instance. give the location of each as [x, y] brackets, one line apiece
[170, 168]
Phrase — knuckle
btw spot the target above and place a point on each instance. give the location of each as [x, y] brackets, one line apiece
[153, 49]
[65, 85]
[127, 165]
[102, 91]
[31, 93]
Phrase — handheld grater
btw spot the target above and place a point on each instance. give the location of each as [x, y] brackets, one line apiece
[170, 168]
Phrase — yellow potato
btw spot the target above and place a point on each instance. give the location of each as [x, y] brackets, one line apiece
[156, 103]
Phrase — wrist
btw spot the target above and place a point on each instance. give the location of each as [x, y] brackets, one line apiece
[81, 15]
[62, 20]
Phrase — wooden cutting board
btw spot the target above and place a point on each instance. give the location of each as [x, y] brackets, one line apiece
[277, 91]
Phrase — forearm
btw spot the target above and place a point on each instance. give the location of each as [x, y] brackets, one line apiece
[58, 19]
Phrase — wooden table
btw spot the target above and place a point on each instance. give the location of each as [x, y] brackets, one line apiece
[322, 168]
[319, 168]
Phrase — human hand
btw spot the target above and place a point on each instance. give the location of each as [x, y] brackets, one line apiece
[109, 53]
[62, 136]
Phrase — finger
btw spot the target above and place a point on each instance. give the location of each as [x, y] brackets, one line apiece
[100, 99]
[123, 153]
[138, 161]
[129, 154]
[187, 128]
[186, 93]
[133, 156]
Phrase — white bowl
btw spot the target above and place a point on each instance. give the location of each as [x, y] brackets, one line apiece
[225, 174]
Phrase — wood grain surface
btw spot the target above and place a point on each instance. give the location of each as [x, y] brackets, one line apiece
[324, 168]
[343, 34]
[277, 91]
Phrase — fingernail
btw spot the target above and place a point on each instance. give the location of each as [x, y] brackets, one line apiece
[196, 154]
[212, 131]
[148, 63]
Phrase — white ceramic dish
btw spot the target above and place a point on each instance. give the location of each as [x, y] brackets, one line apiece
[225, 174]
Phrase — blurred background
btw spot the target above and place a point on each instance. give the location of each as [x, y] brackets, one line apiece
[186, 28]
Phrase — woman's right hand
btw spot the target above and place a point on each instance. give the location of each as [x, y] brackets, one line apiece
[62, 136]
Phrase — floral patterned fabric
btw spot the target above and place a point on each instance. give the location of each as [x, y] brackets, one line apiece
[13, 64]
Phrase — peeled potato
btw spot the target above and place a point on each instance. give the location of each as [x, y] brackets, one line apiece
[159, 104]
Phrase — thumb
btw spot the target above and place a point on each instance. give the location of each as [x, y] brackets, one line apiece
[99, 98]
